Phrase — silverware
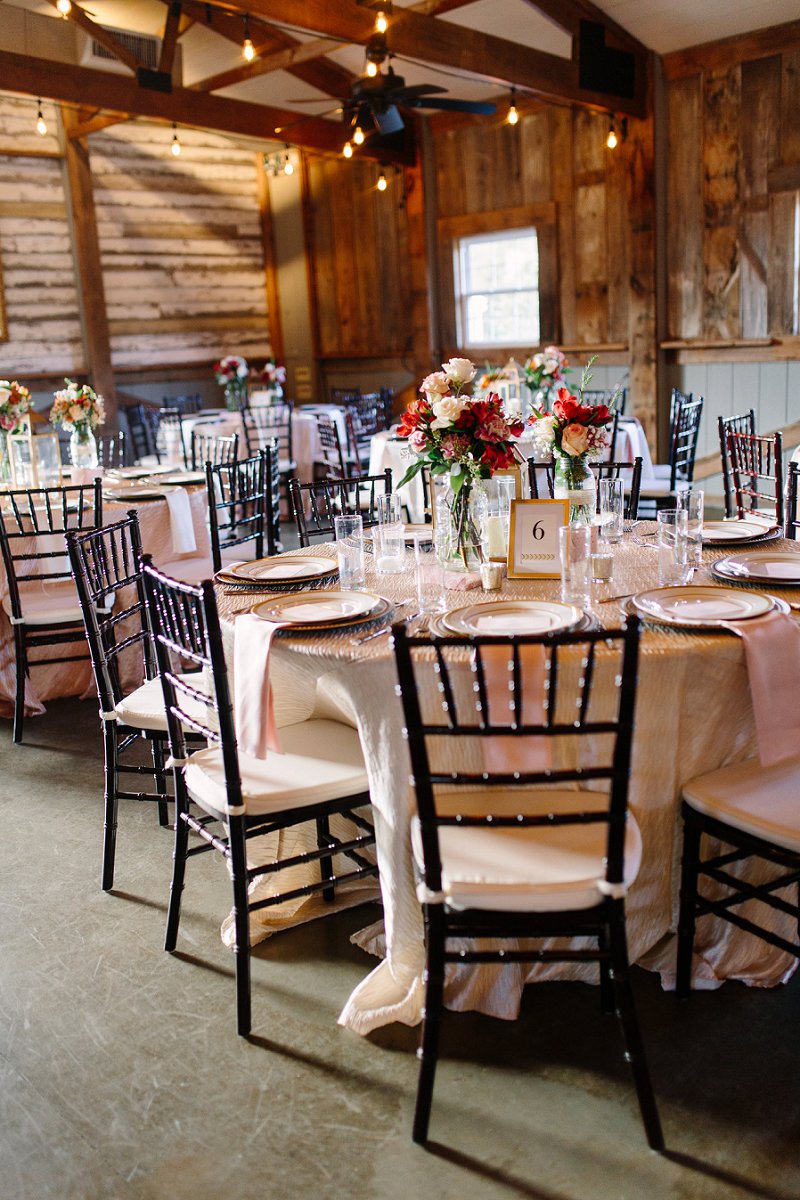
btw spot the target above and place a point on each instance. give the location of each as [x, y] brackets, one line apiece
[612, 599]
[380, 632]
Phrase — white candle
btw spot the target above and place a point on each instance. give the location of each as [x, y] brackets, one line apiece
[497, 536]
[389, 564]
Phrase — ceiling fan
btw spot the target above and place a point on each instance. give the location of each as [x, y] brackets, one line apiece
[376, 98]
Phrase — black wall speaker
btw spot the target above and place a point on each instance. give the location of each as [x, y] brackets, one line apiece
[601, 68]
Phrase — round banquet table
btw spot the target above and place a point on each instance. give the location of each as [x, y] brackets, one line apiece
[56, 680]
[693, 715]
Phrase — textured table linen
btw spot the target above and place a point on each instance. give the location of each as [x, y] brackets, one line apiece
[75, 678]
[693, 715]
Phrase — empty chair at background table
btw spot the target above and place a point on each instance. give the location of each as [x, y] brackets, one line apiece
[244, 507]
[756, 466]
[111, 449]
[316, 505]
[212, 448]
[332, 462]
[743, 423]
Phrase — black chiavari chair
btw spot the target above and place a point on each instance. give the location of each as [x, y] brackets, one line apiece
[756, 466]
[185, 405]
[605, 396]
[316, 505]
[42, 604]
[271, 423]
[345, 396]
[225, 796]
[171, 439]
[244, 506]
[743, 423]
[386, 407]
[212, 448]
[363, 422]
[509, 843]
[792, 501]
[541, 479]
[111, 451]
[333, 462]
[142, 426]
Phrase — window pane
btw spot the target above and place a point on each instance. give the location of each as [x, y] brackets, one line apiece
[498, 288]
[502, 319]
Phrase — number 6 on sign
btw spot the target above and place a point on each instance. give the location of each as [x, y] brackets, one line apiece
[533, 538]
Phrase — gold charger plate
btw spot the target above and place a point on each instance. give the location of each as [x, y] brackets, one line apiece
[290, 610]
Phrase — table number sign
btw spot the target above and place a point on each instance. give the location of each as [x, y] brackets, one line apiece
[533, 538]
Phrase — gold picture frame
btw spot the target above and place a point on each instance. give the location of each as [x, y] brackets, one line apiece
[538, 542]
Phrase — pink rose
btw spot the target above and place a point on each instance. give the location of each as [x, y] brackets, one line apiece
[574, 439]
[418, 440]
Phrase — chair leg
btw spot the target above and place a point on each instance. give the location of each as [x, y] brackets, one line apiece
[22, 673]
[606, 986]
[626, 1012]
[241, 920]
[178, 875]
[431, 1020]
[690, 865]
[326, 863]
[110, 805]
[160, 781]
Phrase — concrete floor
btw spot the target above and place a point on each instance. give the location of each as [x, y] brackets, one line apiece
[123, 1078]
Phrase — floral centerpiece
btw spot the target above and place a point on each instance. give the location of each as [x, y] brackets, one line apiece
[273, 376]
[231, 373]
[545, 373]
[15, 404]
[574, 434]
[463, 439]
[79, 410]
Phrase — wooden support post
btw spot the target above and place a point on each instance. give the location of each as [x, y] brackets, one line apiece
[422, 266]
[642, 331]
[270, 263]
[91, 295]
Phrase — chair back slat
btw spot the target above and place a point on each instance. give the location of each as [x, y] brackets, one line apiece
[792, 499]
[331, 447]
[270, 422]
[686, 413]
[315, 505]
[111, 449]
[743, 423]
[106, 563]
[212, 448]
[451, 715]
[756, 465]
[244, 503]
[541, 479]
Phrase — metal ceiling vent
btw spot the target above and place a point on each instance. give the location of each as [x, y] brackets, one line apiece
[144, 47]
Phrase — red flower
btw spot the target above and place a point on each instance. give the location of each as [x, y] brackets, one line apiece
[497, 458]
[568, 408]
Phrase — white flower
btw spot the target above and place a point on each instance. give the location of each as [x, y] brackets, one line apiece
[77, 413]
[5, 394]
[435, 384]
[447, 410]
[544, 434]
[459, 371]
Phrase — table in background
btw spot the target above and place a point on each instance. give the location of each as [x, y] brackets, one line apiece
[693, 715]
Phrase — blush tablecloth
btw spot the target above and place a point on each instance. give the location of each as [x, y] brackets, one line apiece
[57, 680]
[693, 715]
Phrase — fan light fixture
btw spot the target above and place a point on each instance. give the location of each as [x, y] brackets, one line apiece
[382, 184]
[64, 7]
[248, 49]
[358, 136]
[372, 69]
[512, 116]
[41, 126]
[176, 145]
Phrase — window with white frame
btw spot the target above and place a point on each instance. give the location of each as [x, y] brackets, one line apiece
[497, 288]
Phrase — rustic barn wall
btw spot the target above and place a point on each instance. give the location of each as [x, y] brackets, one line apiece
[38, 269]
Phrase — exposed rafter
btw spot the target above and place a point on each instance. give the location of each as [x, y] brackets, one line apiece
[442, 43]
[101, 35]
[175, 24]
[280, 60]
[119, 96]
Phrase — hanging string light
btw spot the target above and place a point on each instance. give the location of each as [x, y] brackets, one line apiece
[358, 136]
[372, 69]
[248, 49]
[176, 145]
[282, 162]
[512, 116]
[381, 23]
[347, 150]
[382, 184]
[288, 166]
[41, 126]
[64, 7]
[611, 137]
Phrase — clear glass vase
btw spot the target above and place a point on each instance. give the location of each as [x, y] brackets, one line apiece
[460, 528]
[5, 459]
[234, 395]
[83, 446]
[575, 481]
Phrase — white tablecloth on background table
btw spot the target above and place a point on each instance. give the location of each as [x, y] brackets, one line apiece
[693, 715]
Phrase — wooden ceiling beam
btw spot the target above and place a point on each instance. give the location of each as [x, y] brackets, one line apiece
[118, 95]
[93, 124]
[279, 60]
[169, 38]
[101, 35]
[568, 14]
[442, 43]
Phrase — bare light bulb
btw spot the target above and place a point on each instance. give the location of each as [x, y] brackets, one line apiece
[41, 125]
[512, 116]
[64, 7]
[358, 136]
[382, 184]
[248, 50]
[176, 145]
[611, 140]
[372, 69]
[381, 24]
[288, 168]
[347, 150]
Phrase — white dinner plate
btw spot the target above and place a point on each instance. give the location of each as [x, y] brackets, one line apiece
[136, 472]
[706, 606]
[323, 608]
[280, 570]
[119, 495]
[719, 532]
[504, 618]
[183, 478]
[760, 566]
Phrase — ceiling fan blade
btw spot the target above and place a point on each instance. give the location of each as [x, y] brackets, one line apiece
[468, 106]
[417, 89]
[311, 117]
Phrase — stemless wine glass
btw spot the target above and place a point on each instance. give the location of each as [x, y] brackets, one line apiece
[575, 550]
[349, 533]
[673, 564]
[429, 574]
[612, 507]
[691, 500]
[390, 508]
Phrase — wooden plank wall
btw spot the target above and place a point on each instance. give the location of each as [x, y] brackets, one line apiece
[44, 329]
[180, 240]
[733, 185]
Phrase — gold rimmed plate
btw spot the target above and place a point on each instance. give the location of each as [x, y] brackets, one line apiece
[279, 569]
[722, 533]
[438, 627]
[504, 618]
[182, 478]
[323, 609]
[776, 568]
[690, 607]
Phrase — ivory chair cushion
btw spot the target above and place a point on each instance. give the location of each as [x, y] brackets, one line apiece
[321, 760]
[48, 604]
[762, 801]
[188, 570]
[144, 707]
[538, 869]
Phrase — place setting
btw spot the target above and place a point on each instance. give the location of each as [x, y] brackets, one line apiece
[706, 608]
[290, 571]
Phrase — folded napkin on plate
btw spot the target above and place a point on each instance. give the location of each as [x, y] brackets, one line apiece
[462, 583]
[253, 708]
[515, 753]
[772, 651]
[180, 521]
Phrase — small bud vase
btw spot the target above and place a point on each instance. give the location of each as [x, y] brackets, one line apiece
[575, 481]
[83, 446]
